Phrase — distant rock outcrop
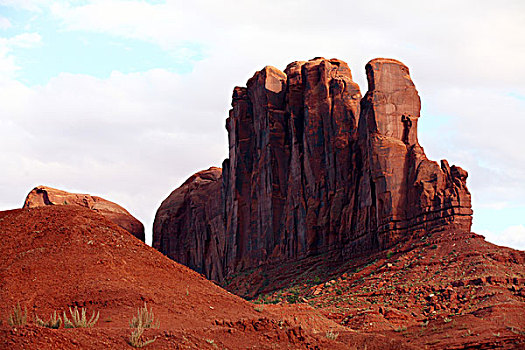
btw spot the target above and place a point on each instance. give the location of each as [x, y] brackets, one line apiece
[43, 195]
[313, 167]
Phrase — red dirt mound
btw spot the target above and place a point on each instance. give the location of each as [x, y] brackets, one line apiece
[56, 257]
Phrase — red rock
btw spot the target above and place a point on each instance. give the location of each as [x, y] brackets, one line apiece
[43, 195]
[313, 168]
[188, 226]
[408, 192]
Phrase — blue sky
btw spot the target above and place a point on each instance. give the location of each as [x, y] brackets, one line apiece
[84, 52]
[126, 99]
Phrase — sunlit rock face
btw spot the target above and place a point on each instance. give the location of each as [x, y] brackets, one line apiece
[313, 167]
[43, 195]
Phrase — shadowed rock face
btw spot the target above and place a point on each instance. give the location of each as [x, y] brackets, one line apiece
[192, 225]
[313, 167]
[43, 195]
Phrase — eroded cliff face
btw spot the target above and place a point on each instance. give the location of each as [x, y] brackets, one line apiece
[312, 168]
[405, 192]
[189, 225]
[43, 195]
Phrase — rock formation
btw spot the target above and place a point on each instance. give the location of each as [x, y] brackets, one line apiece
[192, 224]
[43, 195]
[313, 167]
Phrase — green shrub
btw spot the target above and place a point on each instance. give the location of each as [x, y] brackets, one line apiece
[401, 329]
[258, 308]
[292, 298]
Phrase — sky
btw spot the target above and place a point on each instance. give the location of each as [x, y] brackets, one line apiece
[127, 99]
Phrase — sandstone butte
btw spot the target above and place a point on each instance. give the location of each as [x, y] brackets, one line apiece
[43, 195]
[314, 167]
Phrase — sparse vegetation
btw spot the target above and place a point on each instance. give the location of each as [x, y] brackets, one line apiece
[17, 318]
[332, 335]
[79, 319]
[54, 321]
[258, 308]
[292, 298]
[145, 318]
[212, 343]
[135, 338]
[401, 329]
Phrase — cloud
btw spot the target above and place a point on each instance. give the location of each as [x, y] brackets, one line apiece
[8, 65]
[134, 137]
[29, 5]
[25, 41]
[4, 23]
[483, 135]
[512, 236]
[165, 24]
[130, 138]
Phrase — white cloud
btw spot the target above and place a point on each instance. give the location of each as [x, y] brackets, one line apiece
[474, 39]
[130, 138]
[8, 65]
[4, 23]
[483, 135]
[25, 40]
[512, 236]
[133, 137]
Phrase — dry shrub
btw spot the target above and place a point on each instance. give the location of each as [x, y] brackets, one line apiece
[17, 318]
[135, 338]
[54, 321]
[145, 318]
[79, 320]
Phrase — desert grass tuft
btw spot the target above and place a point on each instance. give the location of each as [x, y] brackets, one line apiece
[145, 318]
[17, 318]
[54, 321]
[135, 338]
[79, 319]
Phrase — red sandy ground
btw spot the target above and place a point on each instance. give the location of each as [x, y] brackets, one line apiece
[446, 290]
[55, 257]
